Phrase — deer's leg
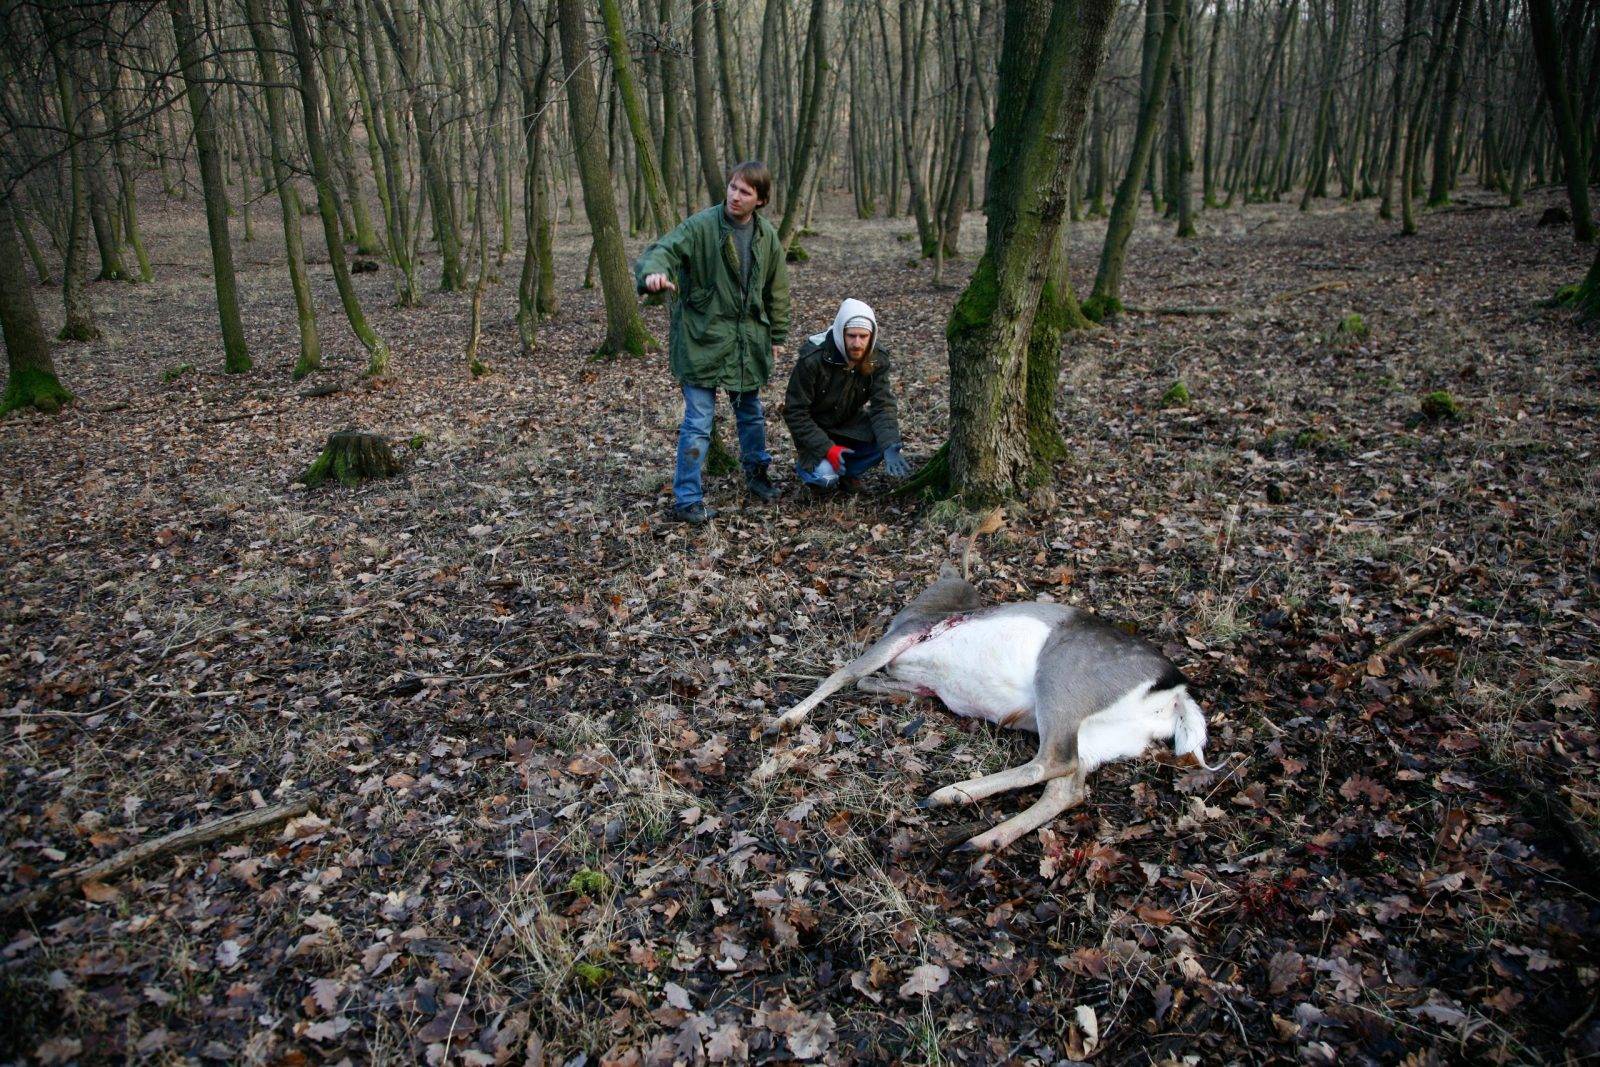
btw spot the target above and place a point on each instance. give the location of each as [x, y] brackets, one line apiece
[1059, 795]
[874, 658]
[882, 683]
[1041, 768]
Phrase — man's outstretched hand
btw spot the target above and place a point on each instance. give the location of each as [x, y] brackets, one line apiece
[655, 283]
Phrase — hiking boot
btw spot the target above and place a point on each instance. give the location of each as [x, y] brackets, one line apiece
[694, 514]
[760, 486]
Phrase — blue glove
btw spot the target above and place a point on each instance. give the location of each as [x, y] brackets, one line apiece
[894, 464]
[825, 474]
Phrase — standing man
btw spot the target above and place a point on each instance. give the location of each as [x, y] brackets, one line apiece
[840, 406]
[728, 323]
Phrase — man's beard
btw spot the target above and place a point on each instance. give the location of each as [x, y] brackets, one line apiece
[864, 365]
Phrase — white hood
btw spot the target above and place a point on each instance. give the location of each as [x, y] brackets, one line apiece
[850, 309]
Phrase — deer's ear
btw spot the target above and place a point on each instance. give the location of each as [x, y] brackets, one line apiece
[949, 570]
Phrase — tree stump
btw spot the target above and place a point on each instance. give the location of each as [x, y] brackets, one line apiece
[351, 457]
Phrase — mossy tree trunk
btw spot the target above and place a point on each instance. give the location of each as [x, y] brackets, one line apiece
[1050, 59]
[351, 457]
[266, 48]
[1161, 46]
[663, 218]
[1058, 315]
[236, 354]
[1587, 299]
[32, 378]
[625, 332]
[305, 55]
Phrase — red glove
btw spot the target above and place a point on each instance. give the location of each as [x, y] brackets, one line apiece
[836, 456]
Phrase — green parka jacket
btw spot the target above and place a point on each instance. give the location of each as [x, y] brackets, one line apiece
[722, 331]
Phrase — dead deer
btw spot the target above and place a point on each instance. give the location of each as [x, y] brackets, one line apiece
[1091, 691]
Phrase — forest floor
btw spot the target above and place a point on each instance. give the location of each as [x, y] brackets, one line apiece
[526, 711]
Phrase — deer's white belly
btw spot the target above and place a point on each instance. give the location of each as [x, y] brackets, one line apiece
[980, 667]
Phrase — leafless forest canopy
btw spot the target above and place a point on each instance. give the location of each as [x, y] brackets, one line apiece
[1270, 322]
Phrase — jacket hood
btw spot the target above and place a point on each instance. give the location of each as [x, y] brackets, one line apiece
[849, 310]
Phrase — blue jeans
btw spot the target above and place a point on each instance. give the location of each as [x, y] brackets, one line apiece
[694, 438]
[863, 456]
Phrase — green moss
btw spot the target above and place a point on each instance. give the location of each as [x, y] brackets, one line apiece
[1176, 396]
[172, 374]
[1566, 296]
[1352, 327]
[719, 460]
[479, 368]
[78, 331]
[416, 441]
[589, 883]
[976, 304]
[37, 389]
[1440, 406]
[593, 974]
[1101, 308]
[797, 253]
[1310, 438]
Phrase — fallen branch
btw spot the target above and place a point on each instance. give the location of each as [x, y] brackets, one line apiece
[1346, 676]
[1420, 632]
[241, 416]
[221, 829]
[1178, 309]
[1319, 287]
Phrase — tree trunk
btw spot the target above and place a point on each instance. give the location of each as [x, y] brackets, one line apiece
[1444, 157]
[201, 108]
[79, 309]
[1208, 196]
[266, 47]
[532, 295]
[731, 98]
[1415, 138]
[662, 217]
[1050, 60]
[305, 54]
[384, 127]
[1322, 133]
[1402, 69]
[1105, 301]
[1182, 92]
[32, 378]
[625, 330]
[705, 104]
[812, 92]
[404, 37]
[1253, 119]
[1546, 46]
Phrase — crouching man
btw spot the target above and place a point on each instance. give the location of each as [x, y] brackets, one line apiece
[840, 407]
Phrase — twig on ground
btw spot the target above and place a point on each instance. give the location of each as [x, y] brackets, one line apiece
[228, 826]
